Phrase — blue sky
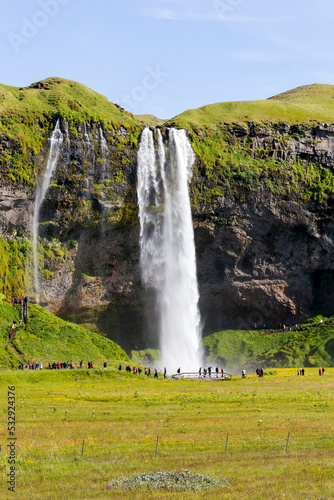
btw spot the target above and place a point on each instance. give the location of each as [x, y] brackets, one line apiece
[165, 56]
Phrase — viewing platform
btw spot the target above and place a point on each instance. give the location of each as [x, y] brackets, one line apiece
[196, 375]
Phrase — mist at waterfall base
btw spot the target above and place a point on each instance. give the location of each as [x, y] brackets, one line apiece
[167, 249]
[56, 142]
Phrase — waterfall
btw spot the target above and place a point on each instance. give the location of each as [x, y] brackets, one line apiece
[87, 138]
[167, 258]
[55, 148]
[104, 145]
[67, 136]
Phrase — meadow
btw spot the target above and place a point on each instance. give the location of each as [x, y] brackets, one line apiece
[77, 430]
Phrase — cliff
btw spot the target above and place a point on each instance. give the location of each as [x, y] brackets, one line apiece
[261, 194]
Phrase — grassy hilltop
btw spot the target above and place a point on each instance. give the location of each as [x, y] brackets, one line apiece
[28, 115]
[307, 104]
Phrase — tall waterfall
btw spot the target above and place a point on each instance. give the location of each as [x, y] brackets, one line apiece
[168, 260]
[55, 148]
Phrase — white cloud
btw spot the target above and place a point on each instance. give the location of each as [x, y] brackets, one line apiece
[204, 10]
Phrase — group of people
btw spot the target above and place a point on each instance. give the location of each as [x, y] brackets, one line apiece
[12, 331]
[204, 372]
[31, 366]
[22, 302]
[259, 372]
[147, 371]
[61, 365]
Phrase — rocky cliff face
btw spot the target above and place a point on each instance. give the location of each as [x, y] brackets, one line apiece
[263, 258]
[290, 142]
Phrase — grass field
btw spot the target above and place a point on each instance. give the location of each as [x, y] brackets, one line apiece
[119, 416]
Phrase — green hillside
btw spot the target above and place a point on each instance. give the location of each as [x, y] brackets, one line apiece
[150, 120]
[47, 338]
[308, 347]
[70, 99]
[28, 114]
[305, 104]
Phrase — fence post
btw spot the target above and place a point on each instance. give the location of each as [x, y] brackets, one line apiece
[156, 448]
[226, 443]
[83, 447]
[287, 442]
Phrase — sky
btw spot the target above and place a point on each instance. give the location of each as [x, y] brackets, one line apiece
[163, 57]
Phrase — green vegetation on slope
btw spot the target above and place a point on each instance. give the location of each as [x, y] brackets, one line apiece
[150, 120]
[66, 98]
[307, 104]
[28, 114]
[230, 159]
[236, 349]
[47, 338]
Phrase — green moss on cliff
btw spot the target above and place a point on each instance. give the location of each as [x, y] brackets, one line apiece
[14, 260]
[28, 115]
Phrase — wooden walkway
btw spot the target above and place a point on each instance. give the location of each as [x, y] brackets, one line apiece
[196, 375]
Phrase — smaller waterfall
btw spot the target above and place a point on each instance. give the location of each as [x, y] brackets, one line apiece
[104, 145]
[56, 142]
[86, 137]
[67, 136]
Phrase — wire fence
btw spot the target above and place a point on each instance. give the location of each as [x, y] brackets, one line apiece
[161, 447]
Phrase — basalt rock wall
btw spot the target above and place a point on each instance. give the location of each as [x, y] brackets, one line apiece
[262, 257]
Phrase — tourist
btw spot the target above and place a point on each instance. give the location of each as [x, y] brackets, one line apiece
[155, 373]
[209, 370]
[217, 370]
[120, 368]
[243, 373]
[105, 365]
[165, 372]
[145, 371]
[222, 372]
[200, 372]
